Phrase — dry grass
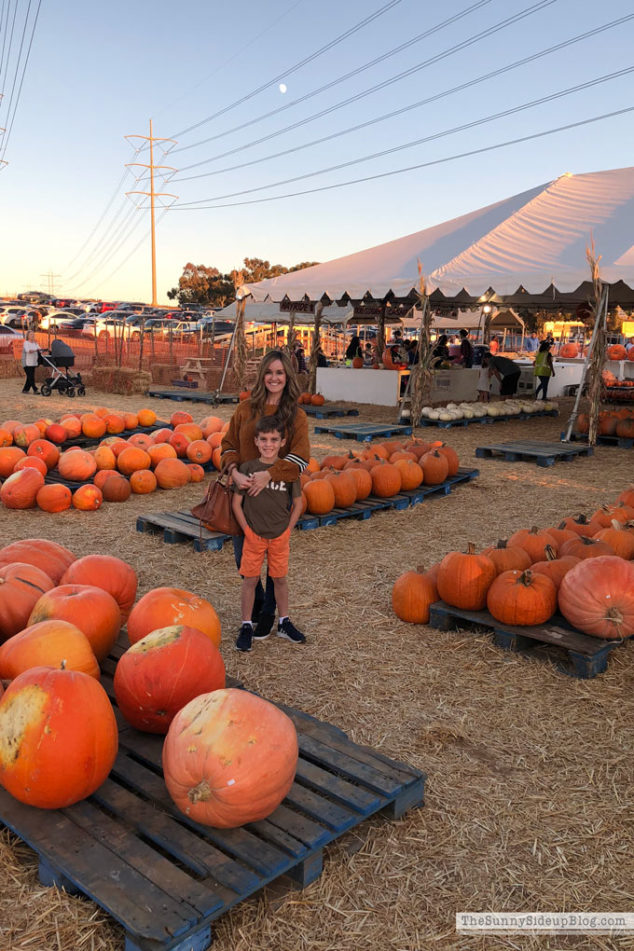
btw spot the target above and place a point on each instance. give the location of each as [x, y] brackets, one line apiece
[530, 772]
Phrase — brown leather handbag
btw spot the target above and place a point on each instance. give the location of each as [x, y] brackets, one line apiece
[215, 511]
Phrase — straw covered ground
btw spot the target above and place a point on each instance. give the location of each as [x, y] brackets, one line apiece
[530, 773]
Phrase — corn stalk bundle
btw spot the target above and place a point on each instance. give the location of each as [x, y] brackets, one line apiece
[597, 357]
[312, 363]
[380, 334]
[292, 334]
[422, 376]
[240, 346]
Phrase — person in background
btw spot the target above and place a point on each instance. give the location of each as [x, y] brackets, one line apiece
[411, 348]
[440, 353]
[494, 345]
[353, 350]
[267, 520]
[484, 383]
[275, 394]
[453, 348]
[300, 359]
[466, 350]
[397, 348]
[30, 355]
[505, 370]
[369, 357]
[543, 369]
[629, 346]
[531, 344]
[321, 357]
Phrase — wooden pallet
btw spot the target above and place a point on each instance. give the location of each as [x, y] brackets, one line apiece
[623, 442]
[328, 409]
[507, 418]
[163, 877]
[182, 526]
[364, 432]
[193, 396]
[543, 453]
[585, 656]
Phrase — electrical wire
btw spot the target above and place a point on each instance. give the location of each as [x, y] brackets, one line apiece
[340, 79]
[293, 69]
[3, 27]
[348, 130]
[450, 51]
[552, 97]
[412, 168]
[7, 134]
[116, 243]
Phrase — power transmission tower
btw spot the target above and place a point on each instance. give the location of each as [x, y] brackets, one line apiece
[152, 194]
[50, 277]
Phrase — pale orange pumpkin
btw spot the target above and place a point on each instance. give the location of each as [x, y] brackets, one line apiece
[88, 498]
[112, 574]
[55, 643]
[54, 498]
[50, 557]
[21, 488]
[143, 481]
[21, 587]
[162, 607]
[91, 609]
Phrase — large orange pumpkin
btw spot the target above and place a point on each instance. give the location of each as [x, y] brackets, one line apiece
[620, 540]
[56, 433]
[25, 434]
[115, 424]
[171, 474]
[535, 541]
[21, 587]
[344, 487]
[88, 498]
[91, 609]
[180, 442]
[76, 465]
[386, 480]
[54, 498]
[411, 473]
[9, 457]
[597, 596]
[363, 481]
[143, 481]
[45, 450]
[112, 574]
[105, 458]
[507, 558]
[48, 644]
[553, 567]
[412, 595]
[93, 426]
[192, 431]
[146, 417]
[435, 467]
[465, 578]
[20, 489]
[58, 737]
[162, 672]
[50, 557]
[199, 451]
[140, 441]
[31, 462]
[161, 450]
[320, 496]
[584, 547]
[229, 758]
[196, 472]
[522, 598]
[116, 488]
[163, 607]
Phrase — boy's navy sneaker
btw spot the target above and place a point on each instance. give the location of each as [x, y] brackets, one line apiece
[244, 639]
[263, 627]
[288, 630]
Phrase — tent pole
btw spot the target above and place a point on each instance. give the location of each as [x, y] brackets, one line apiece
[231, 346]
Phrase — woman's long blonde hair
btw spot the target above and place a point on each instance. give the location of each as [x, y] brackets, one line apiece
[290, 394]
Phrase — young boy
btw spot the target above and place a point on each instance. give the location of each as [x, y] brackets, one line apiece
[267, 520]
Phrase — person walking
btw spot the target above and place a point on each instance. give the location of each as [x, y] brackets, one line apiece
[275, 393]
[543, 369]
[30, 355]
[466, 350]
[267, 520]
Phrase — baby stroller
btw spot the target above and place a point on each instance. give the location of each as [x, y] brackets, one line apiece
[60, 359]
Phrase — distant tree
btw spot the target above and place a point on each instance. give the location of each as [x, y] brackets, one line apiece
[206, 285]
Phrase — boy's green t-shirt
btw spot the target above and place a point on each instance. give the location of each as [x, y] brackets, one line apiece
[268, 513]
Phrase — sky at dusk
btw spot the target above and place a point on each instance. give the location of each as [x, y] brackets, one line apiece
[383, 98]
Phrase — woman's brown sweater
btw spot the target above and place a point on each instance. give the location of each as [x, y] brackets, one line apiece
[238, 443]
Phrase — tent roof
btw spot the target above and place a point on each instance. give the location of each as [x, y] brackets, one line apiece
[268, 311]
[522, 245]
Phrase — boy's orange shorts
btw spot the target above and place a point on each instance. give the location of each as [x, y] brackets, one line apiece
[276, 551]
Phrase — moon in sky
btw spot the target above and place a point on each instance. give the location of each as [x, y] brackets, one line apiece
[282, 87]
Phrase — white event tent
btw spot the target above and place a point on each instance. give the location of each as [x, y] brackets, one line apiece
[531, 242]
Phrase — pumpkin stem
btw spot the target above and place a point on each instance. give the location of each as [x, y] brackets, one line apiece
[471, 548]
[526, 578]
[614, 615]
[200, 793]
[420, 569]
[616, 524]
[551, 554]
[502, 543]
[534, 530]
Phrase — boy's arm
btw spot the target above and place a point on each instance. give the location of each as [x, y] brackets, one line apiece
[236, 505]
[296, 511]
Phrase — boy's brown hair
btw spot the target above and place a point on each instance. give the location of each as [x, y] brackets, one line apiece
[270, 424]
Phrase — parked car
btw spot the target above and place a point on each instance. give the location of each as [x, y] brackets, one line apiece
[101, 327]
[72, 324]
[7, 337]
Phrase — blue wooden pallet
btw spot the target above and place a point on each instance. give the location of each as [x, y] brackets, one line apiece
[585, 656]
[447, 424]
[623, 442]
[328, 409]
[181, 526]
[193, 396]
[543, 453]
[163, 877]
[364, 432]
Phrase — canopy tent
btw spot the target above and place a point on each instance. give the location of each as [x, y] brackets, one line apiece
[531, 246]
[268, 312]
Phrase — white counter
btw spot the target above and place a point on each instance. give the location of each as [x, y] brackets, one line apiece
[381, 387]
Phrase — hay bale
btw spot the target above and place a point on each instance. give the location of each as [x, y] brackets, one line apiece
[113, 379]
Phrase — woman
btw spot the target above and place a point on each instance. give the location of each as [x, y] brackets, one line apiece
[353, 350]
[30, 354]
[275, 394]
[440, 353]
[543, 369]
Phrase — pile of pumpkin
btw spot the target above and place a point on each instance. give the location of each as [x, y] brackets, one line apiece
[583, 567]
[618, 352]
[383, 470]
[229, 757]
[168, 458]
[311, 399]
[618, 422]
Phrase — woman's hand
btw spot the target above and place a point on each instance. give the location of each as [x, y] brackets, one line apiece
[240, 480]
[259, 481]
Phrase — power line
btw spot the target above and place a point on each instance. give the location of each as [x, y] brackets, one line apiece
[428, 138]
[293, 69]
[125, 174]
[7, 134]
[335, 82]
[415, 105]
[412, 168]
